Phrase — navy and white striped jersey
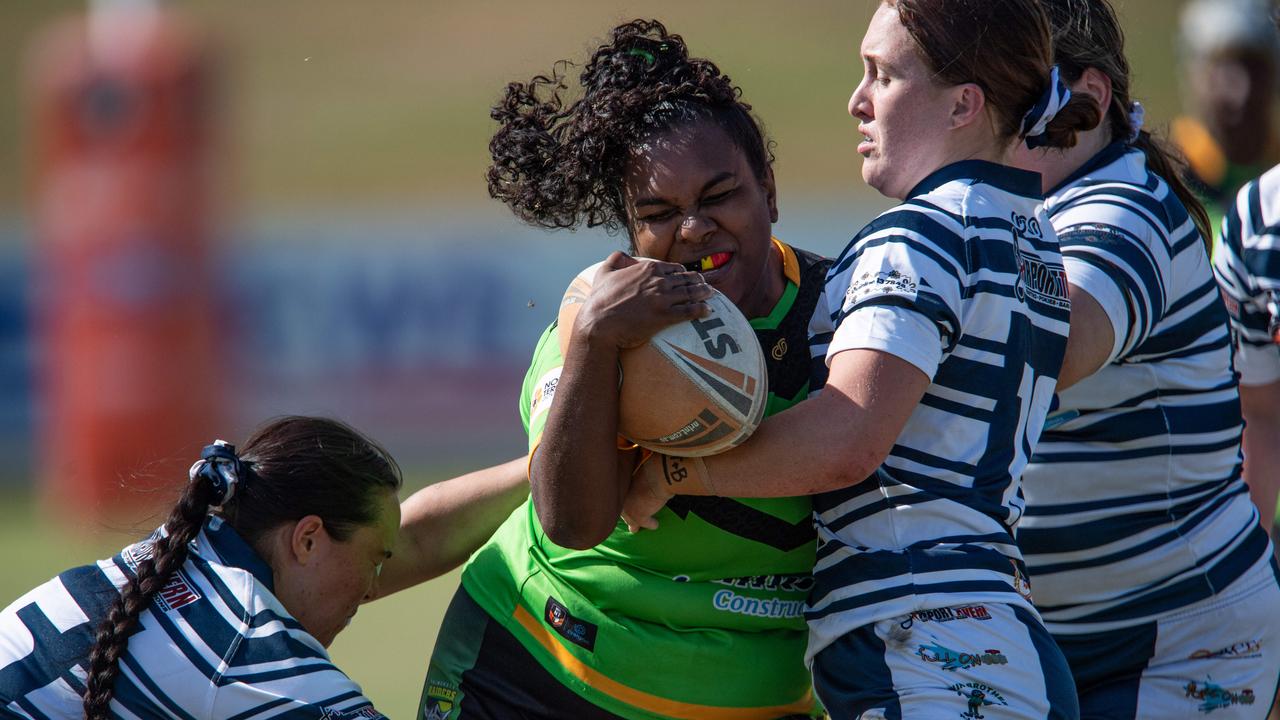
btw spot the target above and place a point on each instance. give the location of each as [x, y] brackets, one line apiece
[963, 280]
[215, 643]
[1135, 503]
[1247, 262]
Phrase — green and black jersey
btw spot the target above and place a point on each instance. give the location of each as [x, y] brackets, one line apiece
[702, 618]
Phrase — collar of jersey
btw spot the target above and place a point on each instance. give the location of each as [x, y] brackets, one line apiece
[1105, 157]
[1003, 177]
[233, 551]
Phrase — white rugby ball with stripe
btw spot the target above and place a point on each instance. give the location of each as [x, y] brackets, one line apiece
[698, 387]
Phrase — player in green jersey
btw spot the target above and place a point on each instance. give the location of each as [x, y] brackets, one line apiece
[565, 614]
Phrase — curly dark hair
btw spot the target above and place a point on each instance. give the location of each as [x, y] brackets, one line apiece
[559, 165]
[293, 467]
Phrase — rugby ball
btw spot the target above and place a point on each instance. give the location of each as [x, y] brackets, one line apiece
[697, 388]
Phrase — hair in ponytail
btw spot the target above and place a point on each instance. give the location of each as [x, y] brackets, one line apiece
[290, 468]
[1087, 34]
[168, 553]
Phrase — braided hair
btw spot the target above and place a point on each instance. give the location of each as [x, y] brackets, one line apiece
[560, 164]
[290, 468]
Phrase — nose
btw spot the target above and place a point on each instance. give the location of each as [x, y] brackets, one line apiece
[696, 227]
[859, 103]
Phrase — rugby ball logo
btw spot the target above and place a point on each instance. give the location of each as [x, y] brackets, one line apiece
[697, 388]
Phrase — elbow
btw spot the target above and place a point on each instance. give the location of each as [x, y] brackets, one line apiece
[573, 531]
[850, 464]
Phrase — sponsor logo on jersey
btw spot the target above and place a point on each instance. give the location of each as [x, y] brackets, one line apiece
[778, 583]
[138, 553]
[729, 601]
[1238, 651]
[779, 349]
[879, 284]
[543, 394]
[978, 695]
[947, 614]
[579, 632]
[441, 700]
[178, 592]
[1213, 696]
[1041, 281]
[952, 660]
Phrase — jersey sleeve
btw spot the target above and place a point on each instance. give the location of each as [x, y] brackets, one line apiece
[539, 389]
[1247, 268]
[1120, 260]
[898, 290]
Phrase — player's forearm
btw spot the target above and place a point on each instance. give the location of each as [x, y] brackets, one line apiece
[830, 442]
[442, 524]
[574, 474]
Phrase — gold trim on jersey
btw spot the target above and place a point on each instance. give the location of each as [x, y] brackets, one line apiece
[643, 700]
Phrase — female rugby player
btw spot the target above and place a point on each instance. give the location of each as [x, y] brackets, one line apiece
[564, 613]
[949, 323]
[1148, 562]
[226, 610]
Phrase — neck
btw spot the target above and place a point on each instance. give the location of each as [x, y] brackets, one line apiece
[1057, 165]
[774, 281]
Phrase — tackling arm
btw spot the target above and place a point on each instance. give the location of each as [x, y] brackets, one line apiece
[442, 524]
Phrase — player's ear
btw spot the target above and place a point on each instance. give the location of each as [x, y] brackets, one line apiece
[1097, 85]
[770, 193]
[308, 539]
[967, 106]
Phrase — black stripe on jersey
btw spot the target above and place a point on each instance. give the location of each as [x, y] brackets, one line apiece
[745, 521]
[791, 372]
[1104, 531]
[264, 707]
[1193, 589]
[142, 704]
[55, 651]
[1079, 507]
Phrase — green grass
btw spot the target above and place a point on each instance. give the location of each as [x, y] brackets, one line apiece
[385, 650]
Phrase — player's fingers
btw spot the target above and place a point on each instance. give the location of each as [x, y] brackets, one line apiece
[690, 310]
[618, 260]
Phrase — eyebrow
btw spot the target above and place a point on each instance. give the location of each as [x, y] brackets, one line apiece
[716, 180]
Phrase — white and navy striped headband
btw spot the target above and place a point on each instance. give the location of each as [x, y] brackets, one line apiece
[220, 465]
[1037, 119]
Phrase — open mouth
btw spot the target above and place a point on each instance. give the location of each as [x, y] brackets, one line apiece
[707, 263]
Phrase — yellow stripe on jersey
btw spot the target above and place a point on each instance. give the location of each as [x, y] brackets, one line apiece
[646, 701]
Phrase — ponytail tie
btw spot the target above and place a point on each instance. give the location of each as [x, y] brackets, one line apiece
[1037, 119]
[220, 465]
[1136, 116]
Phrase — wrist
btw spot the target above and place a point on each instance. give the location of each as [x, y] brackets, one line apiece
[685, 476]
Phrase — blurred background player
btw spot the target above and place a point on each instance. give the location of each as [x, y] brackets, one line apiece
[1144, 550]
[564, 613]
[950, 319]
[227, 609]
[1246, 265]
[1231, 69]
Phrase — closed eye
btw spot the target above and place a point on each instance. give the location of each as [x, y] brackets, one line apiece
[658, 216]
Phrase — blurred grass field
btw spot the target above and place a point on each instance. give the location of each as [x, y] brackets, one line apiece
[385, 649]
[329, 103]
